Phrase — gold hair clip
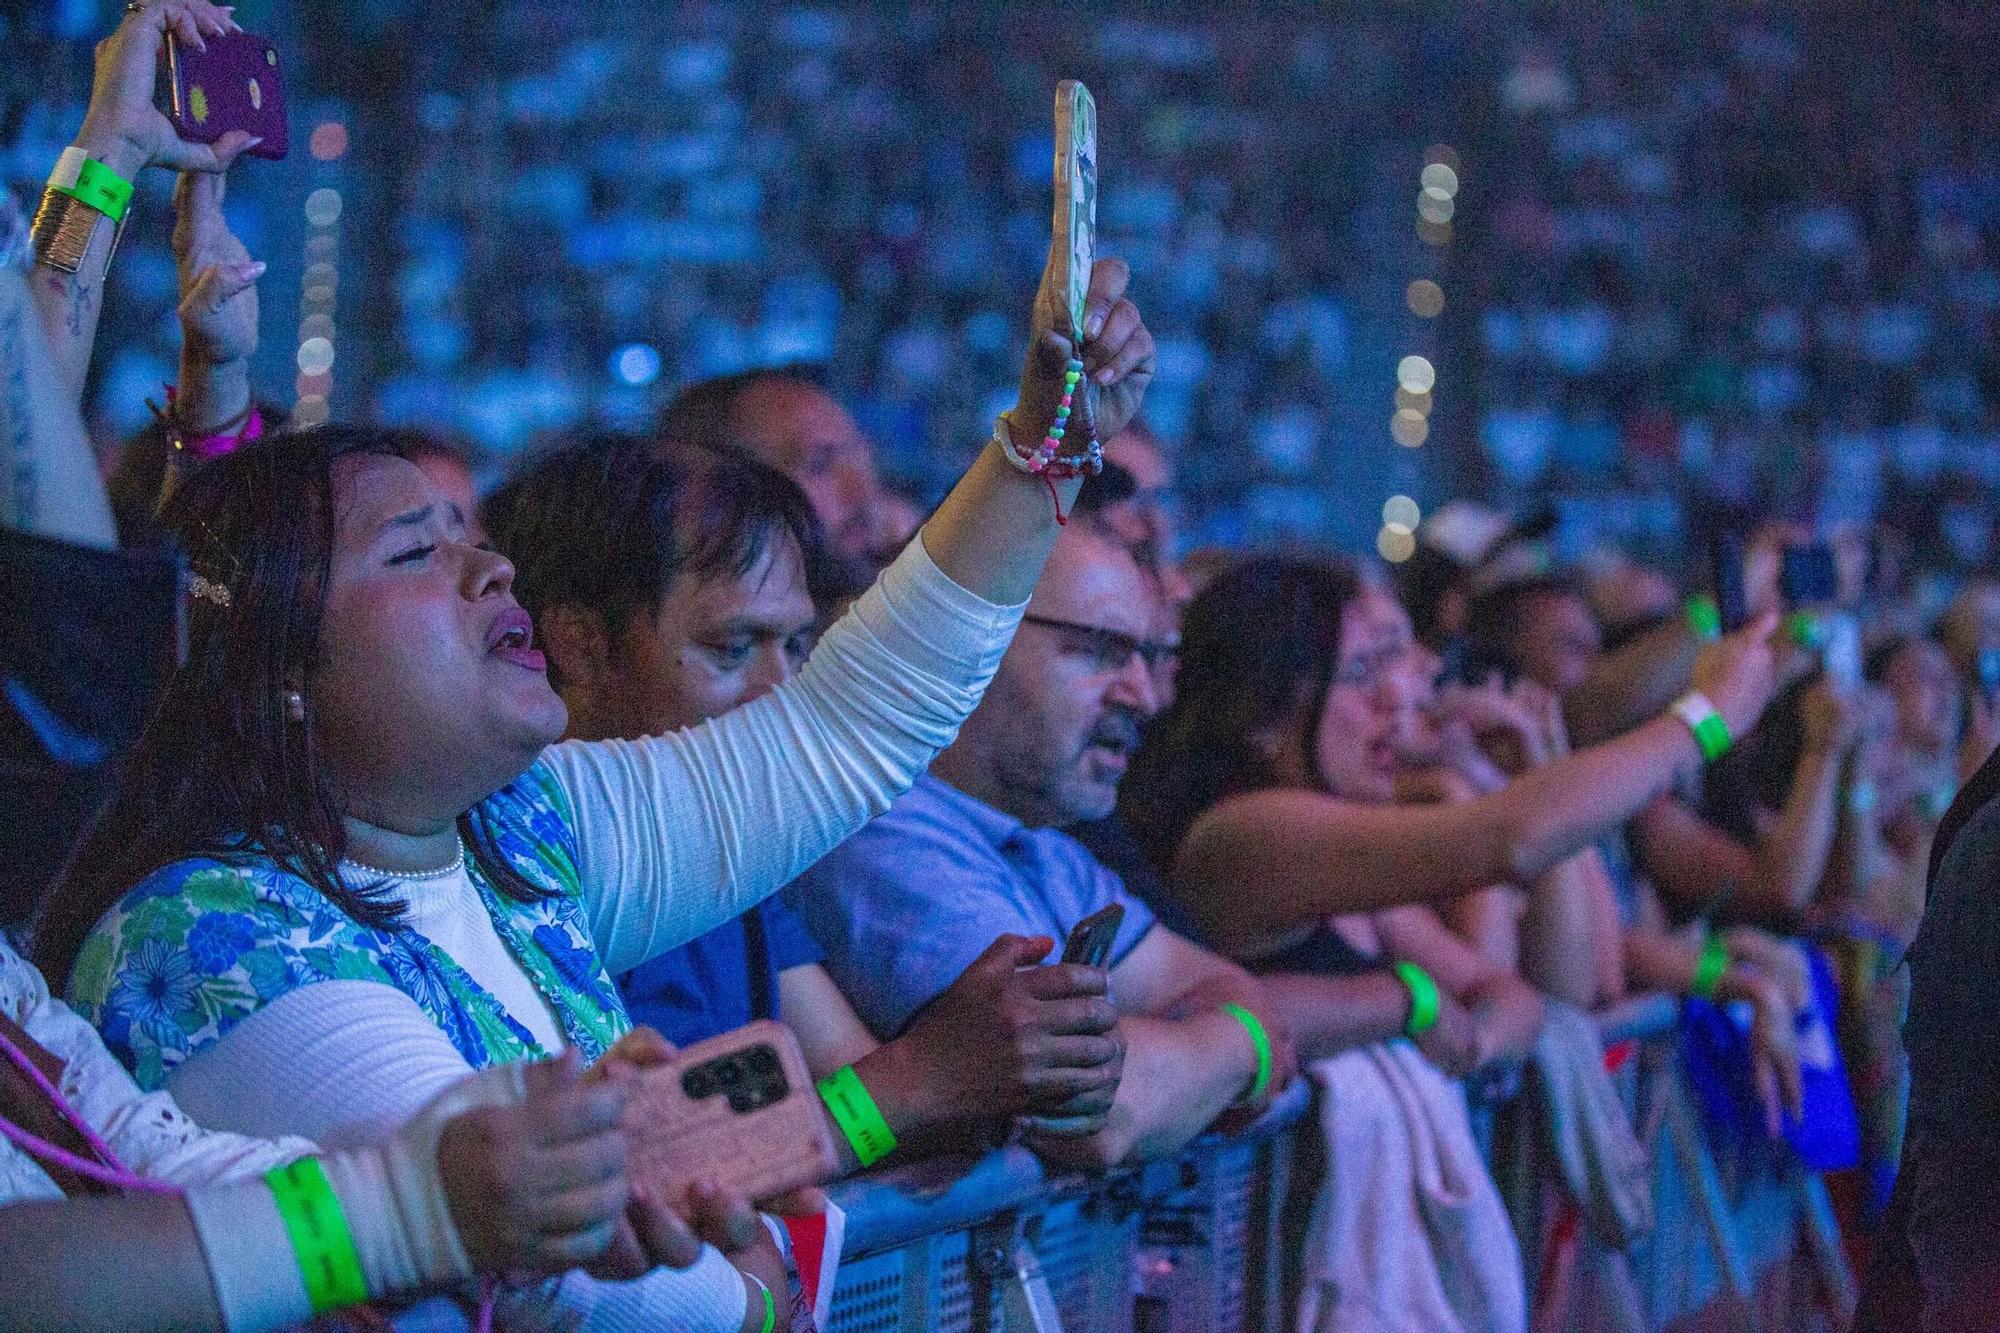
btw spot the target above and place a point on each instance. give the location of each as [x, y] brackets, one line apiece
[207, 590]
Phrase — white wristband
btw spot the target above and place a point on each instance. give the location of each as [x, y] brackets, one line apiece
[250, 1258]
[69, 168]
[394, 1204]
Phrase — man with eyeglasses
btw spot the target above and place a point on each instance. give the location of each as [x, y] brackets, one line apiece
[976, 848]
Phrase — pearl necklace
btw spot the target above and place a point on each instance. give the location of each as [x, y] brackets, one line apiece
[456, 864]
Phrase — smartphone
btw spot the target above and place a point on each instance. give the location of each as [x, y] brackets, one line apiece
[236, 84]
[1731, 599]
[1076, 194]
[1090, 940]
[1809, 575]
[1841, 653]
[739, 1107]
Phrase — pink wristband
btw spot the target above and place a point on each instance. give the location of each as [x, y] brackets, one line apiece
[209, 447]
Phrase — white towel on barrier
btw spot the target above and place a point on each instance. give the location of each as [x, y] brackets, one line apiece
[1408, 1234]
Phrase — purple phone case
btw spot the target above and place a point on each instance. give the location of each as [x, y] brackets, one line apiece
[236, 84]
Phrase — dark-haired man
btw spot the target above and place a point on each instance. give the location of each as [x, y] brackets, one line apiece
[670, 589]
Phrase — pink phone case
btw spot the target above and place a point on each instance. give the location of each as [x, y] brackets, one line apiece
[236, 84]
[740, 1107]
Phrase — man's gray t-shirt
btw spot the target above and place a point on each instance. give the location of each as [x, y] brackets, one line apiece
[903, 907]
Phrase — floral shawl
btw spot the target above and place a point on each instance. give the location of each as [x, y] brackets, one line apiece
[200, 945]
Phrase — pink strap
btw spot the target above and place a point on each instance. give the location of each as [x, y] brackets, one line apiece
[210, 447]
[107, 1170]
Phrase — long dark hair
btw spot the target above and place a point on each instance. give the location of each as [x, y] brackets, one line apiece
[1259, 648]
[221, 770]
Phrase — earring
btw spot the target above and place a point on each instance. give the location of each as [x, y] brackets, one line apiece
[296, 704]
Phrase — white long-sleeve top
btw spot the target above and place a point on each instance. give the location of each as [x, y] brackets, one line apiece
[676, 835]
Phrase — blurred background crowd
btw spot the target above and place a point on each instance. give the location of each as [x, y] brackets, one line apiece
[1672, 258]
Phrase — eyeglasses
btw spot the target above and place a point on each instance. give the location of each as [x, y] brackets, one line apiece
[1113, 651]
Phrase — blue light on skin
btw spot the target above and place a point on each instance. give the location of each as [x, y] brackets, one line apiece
[636, 364]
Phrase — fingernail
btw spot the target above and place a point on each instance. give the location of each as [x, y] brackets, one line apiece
[255, 270]
[1103, 376]
[1094, 325]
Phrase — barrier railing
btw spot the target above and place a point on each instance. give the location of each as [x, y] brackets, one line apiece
[1000, 1243]
[1195, 1243]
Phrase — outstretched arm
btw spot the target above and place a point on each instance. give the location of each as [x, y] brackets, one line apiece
[1315, 855]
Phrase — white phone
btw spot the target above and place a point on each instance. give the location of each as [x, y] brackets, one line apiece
[1076, 193]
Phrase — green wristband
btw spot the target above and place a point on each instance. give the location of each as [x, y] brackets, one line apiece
[1424, 999]
[319, 1235]
[1805, 629]
[1711, 733]
[770, 1304]
[1704, 617]
[1262, 1041]
[92, 184]
[853, 1108]
[1708, 969]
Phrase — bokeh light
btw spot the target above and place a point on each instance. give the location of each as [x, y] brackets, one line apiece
[328, 141]
[1409, 429]
[1395, 544]
[323, 206]
[1416, 374]
[1437, 176]
[1425, 298]
[636, 364]
[316, 356]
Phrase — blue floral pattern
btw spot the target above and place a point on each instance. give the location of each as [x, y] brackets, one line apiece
[200, 945]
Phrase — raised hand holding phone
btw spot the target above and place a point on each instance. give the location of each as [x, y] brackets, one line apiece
[123, 129]
[231, 83]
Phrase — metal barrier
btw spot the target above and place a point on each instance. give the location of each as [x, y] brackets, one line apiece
[1000, 1245]
[1197, 1243]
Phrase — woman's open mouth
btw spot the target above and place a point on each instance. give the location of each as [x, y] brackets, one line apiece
[512, 639]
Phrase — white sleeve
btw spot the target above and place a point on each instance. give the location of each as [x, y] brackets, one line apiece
[349, 1062]
[341, 1062]
[678, 834]
[147, 1130]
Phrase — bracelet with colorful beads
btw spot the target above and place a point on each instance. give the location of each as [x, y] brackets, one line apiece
[1042, 460]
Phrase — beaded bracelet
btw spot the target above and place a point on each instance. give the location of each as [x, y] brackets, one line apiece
[1041, 461]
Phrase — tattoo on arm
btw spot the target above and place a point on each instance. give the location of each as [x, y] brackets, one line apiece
[80, 293]
[22, 502]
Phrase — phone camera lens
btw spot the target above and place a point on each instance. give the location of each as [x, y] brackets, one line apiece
[729, 1073]
[698, 1083]
[762, 1060]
